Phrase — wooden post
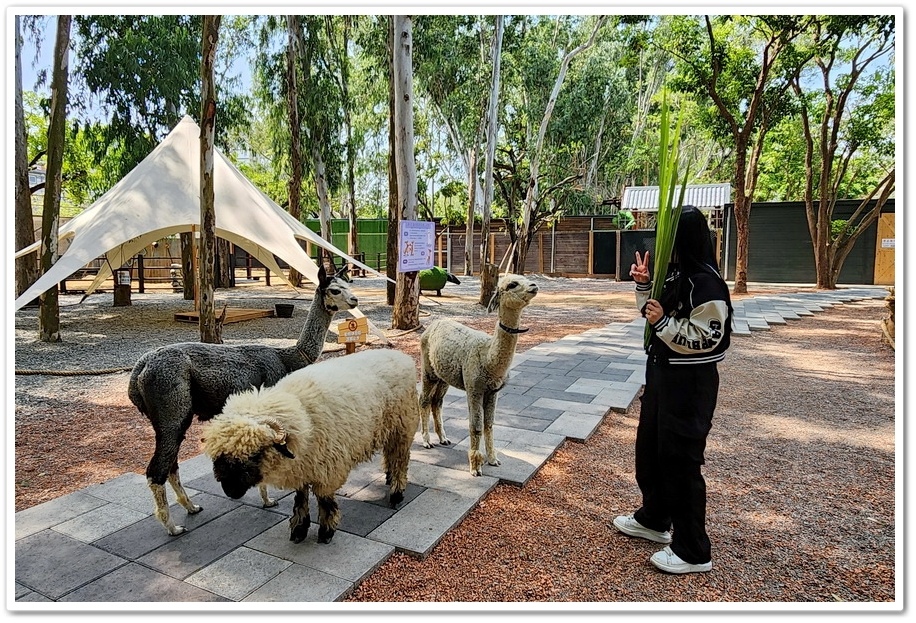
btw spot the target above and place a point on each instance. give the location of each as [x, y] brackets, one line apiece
[439, 246]
[541, 252]
[194, 268]
[591, 252]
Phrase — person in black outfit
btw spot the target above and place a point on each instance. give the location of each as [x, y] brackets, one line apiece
[691, 327]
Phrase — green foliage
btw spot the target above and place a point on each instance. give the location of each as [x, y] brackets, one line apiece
[624, 219]
[669, 208]
[143, 73]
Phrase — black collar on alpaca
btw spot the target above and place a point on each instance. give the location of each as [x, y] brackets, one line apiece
[511, 330]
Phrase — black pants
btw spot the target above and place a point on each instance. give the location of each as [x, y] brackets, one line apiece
[674, 421]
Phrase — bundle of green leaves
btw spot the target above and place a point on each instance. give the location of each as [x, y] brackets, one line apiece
[669, 210]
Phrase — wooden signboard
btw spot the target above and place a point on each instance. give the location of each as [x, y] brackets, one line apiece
[353, 331]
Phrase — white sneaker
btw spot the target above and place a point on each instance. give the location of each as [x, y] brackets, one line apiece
[667, 560]
[629, 526]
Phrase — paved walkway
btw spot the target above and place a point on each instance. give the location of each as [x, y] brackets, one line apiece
[103, 544]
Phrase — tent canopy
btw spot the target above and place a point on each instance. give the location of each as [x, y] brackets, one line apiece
[161, 197]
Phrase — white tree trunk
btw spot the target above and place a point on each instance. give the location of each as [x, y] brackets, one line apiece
[487, 285]
[531, 197]
[405, 314]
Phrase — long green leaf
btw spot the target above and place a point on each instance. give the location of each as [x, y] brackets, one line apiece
[669, 211]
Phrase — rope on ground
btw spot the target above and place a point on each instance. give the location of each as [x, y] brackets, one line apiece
[72, 372]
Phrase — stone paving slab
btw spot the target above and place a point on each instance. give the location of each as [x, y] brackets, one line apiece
[103, 543]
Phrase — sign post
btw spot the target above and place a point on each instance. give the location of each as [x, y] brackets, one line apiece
[351, 332]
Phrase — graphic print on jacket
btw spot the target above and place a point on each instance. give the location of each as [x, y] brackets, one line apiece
[698, 330]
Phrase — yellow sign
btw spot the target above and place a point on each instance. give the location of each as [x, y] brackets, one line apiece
[353, 330]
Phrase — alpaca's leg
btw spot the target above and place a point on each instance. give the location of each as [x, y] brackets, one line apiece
[431, 398]
[475, 427]
[266, 500]
[396, 458]
[300, 521]
[164, 466]
[181, 494]
[438, 397]
[489, 411]
[328, 517]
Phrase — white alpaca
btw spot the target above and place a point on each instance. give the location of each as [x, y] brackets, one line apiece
[313, 427]
[468, 359]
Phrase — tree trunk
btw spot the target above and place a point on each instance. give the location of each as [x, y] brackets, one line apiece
[406, 312]
[27, 265]
[324, 203]
[489, 273]
[49, 314]
[188, 272]
[391, 254]
[225, 269]
[294, 186]
[531, 197]
[469, 224]
[210, 328]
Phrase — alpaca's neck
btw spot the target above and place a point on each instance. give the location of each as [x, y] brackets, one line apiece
[502, 345]
[311, 339]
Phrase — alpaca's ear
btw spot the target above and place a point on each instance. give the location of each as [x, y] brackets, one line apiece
[322, 276]
[344, 273]
[494, 302]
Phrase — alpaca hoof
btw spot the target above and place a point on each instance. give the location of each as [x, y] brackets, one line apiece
[325, 535]
[426, 444]
[194, 509]
[494, 463]
[176, 530]
[395, 499]
[270, 503]
[445, 442]
[476, 472]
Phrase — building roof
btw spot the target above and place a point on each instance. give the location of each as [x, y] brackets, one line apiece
[702, 196]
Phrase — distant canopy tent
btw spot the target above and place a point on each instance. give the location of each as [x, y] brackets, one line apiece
[161, 197]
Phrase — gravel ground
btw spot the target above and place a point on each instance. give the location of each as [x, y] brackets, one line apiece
[800, 463]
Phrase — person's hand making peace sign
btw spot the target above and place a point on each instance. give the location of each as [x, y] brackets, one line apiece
[640, 270]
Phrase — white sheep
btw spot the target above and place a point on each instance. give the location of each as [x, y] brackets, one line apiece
[313, 427]
[468, 359]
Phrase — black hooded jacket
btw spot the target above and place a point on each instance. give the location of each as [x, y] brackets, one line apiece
[697, 321]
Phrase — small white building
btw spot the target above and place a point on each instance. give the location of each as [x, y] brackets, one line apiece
[642, 201]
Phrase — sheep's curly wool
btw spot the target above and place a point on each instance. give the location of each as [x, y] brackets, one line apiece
[333, 415]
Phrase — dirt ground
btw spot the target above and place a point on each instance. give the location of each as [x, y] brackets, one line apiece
[800, 471]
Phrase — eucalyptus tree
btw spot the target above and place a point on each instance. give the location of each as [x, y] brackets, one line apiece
[488, 271]
[317, 102]
[847, 108]
[541, 56]
[26, 268]
[49, 314]
[739, 67]
[339, 33]
[210, 326]
[406, 312]
[452, 71]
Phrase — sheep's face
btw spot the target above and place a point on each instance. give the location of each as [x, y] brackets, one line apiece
[513, 291]
[237, 475]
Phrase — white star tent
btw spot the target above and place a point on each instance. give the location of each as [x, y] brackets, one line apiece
[161, 197]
